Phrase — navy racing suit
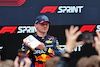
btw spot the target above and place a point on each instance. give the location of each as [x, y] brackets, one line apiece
[38, 56]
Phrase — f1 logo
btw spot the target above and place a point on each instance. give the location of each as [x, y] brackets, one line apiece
[50, 9]
[11, 2]
[10, 29]
[89, 28]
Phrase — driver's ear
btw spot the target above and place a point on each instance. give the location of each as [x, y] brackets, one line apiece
[35, 25]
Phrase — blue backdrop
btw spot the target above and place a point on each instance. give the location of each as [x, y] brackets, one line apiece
[27, 12]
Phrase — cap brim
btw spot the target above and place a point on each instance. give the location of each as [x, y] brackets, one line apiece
[47, 21]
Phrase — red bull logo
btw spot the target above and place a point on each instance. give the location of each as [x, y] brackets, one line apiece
[39, 65]
[42, 57]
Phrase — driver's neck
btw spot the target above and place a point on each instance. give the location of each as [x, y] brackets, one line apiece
[41, 34]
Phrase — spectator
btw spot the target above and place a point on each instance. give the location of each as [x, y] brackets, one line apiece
[26, 62]
[94, 60]
[72, 35]
[52, 62]
[6, 63]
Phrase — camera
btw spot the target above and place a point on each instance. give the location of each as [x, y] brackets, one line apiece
[87, 37]
[22, 55]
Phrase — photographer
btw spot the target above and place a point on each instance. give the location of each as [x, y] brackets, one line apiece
[94, 60]
[71, 36]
